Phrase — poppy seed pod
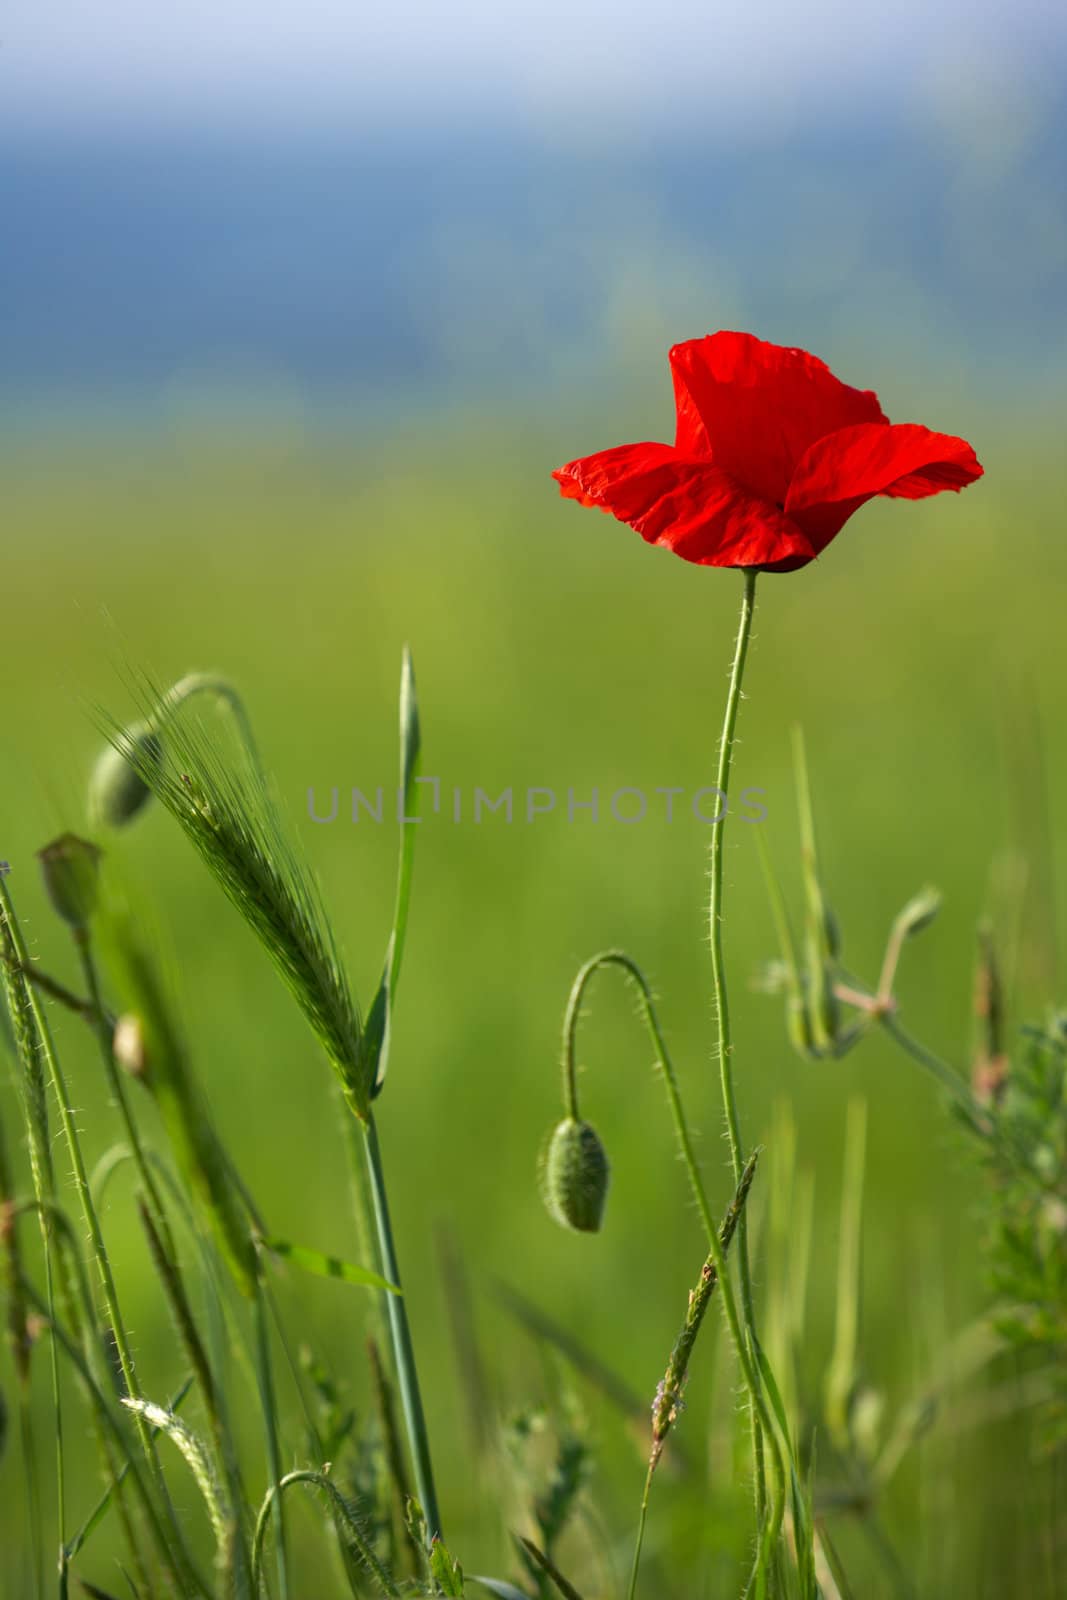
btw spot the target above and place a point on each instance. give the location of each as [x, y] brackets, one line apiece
[117, 789]
[576, 1176]
[70, 866]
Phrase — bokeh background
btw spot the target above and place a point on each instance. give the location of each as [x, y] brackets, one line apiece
[301, 306]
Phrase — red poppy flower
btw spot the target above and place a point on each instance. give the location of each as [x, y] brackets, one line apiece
[771, 457]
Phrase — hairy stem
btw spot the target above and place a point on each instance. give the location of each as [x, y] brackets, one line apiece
[722, 1002]
[619, 958]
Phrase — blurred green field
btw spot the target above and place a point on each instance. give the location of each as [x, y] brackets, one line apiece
[552, 648]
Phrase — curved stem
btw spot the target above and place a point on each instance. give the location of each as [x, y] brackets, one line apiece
[338, 1506]
[619, 958]
[722, 1002]
[209, 683]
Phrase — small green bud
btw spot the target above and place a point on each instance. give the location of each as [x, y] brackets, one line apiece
[919, 913]
[70, 867]
[117, 790]
[576, 1176]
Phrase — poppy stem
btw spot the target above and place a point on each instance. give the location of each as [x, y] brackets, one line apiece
[722, 1002]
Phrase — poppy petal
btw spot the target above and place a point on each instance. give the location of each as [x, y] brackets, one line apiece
[754, 408]
[695, 509]
[839, 473]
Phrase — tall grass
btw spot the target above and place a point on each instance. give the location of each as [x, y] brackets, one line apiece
[206, 1430]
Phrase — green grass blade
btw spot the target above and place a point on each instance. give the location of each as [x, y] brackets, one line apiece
[327, 1266]
[379, 1018]
[566, 1589]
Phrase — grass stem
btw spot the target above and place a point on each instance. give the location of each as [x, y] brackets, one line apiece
[400, 1336]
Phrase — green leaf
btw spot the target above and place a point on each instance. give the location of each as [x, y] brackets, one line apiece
[445, 1570]
[502, 1590]
[379, 1019]
[325, 1266]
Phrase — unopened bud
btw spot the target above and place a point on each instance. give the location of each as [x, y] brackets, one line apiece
[117, 789]
[128, 1046]
[70, 867]
[576, 1176]
[919, 913]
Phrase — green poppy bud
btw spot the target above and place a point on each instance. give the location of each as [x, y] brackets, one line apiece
[576, 1176]
[117, 790]
[70, 868]
[919, 913]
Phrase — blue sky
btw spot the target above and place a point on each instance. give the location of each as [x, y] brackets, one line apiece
[592, 64]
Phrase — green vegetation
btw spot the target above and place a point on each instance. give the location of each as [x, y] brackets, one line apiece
[907, 1247]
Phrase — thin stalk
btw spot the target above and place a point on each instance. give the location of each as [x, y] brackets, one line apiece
[18, 1341]
[946, 1076]
[94, 1230]
[108, 1421]
[400, 1335]
[58, 991]
[642, 1518]
[618, 958]
[394, 1455]
[104, 1031]
[668, 1400]
[722, 1002]
[265, 1381]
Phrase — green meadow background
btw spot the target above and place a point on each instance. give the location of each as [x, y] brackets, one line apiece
[922, 655]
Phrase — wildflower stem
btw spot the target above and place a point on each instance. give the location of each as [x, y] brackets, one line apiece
[722, 1003]
[668, 1402]
[95, 1232]
[618, 958]
[400, 1336]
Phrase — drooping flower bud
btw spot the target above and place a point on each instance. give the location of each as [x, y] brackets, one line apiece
[919, 913]
[117, 789]
[576, 1176]
[70, 868]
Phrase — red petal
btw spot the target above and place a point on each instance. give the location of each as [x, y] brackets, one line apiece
[842, 471]
[691, 507]
[754, 408]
